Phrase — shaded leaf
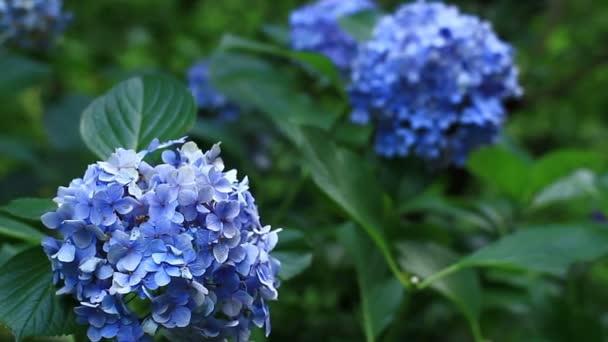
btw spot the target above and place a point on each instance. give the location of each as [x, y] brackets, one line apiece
[255, 83]
[29, 208]
[381, 294]
[350, 182]
[19, 73]
[17, 149]
[549, 249]
[279, 34]
[579, 184]
[136, 111]
[501, 168]
[61, 121]
[19, 230]
[321, 64]
[463, 289]
[292, 263]
[29, 304]
[559, 164]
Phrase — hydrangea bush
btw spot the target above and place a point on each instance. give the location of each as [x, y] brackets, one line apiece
[32, 23]
[206, 97]
[433, 81]
[315, 27]
[183, 237]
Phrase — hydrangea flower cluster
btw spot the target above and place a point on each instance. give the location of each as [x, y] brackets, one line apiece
[182, 239]
[315, 27]
[206, 97]
[31, 23]
[433, 81]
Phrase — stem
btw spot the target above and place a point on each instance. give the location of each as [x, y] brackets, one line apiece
[473, 324]
[443, 273]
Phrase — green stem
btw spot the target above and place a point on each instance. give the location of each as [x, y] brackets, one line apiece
[443, 273]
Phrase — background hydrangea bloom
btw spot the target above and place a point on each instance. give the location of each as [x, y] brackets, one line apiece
[433, 81]
[207, 98]
[184, 235]
[315, 27]
[31, 23]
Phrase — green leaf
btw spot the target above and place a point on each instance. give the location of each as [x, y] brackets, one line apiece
[29, 208]
[361, 24]
[61, 121]
[501, 168]
[426, 260]
[581, 183]
[19, 230]
[435, 204]
[290, 236]
[8, 250]
[319, 63]
[279, 34]
[19, 73]
[29, 304]
[18, 149]
[559, 164]
[292, 263]
[549, 249]
[350, 182]
[354, 135]
[255, 83]
[381, 293]
[135, 112]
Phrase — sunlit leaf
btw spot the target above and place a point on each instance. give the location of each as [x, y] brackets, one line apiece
[136, 111]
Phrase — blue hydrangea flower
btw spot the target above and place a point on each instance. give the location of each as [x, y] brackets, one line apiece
[433, 81]
[315, 28]
[184, 235]
[208, 98]
[31, 23]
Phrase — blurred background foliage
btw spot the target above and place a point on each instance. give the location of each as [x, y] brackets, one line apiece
[562, 51]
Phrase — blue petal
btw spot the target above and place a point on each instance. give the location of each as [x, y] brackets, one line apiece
[220, 252]
[94, 334]
[66, 253]
[161, 277]
[129, 262]
[181, 316]
[51, 220]
[82, 238]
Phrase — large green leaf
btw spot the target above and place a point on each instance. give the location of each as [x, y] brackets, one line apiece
[253, 82]
[29, 304]
[29, 208]
[426, 259]
[381, 293]
[501, 168]
[19, 73]
[350, 182]
[546, 249]
[581, 183]
[559, 164]
[135, 112]
[549, 249]
[18, 230]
